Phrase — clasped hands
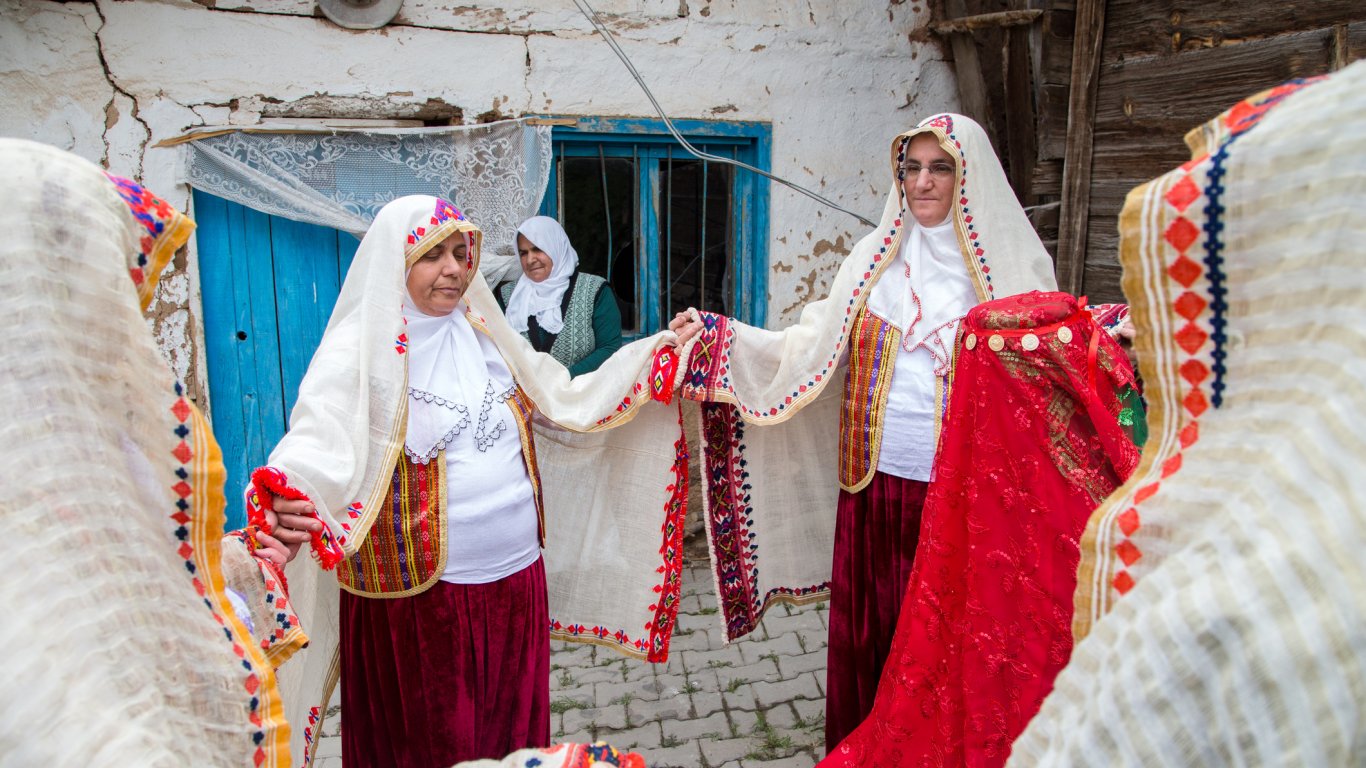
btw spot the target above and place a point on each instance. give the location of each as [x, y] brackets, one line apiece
[292, 523]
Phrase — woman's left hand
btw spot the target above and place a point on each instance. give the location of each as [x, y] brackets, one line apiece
[686, 325]
[272, 550]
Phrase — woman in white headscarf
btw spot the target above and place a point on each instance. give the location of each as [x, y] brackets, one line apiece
[572, 315]
[952, 235]
[411, 467]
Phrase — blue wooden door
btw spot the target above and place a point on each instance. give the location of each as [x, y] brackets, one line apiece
[268, 285]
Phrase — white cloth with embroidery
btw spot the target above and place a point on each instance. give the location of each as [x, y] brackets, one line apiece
[1233, 629]
[451, 377]
[119, 644]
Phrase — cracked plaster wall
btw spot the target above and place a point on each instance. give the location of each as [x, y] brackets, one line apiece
[836, 78]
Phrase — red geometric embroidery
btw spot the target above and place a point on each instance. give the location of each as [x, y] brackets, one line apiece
[1196, 403]
[1183, 194]
[1128, 522]
[1128, 552]
[1191, 338]
[1181, 234]
[1194, 371]
[1123, 582]
[1185, 271]
[1189, 305]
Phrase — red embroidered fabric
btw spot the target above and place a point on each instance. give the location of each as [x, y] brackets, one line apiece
[1031, 444]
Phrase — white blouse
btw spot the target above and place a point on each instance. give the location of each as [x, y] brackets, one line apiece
[945, 293]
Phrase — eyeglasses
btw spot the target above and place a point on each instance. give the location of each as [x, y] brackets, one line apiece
[939, 170]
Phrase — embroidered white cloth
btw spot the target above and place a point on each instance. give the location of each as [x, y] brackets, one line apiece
[543, 299]
[119, 644]
[1220, 593]
[453, 381]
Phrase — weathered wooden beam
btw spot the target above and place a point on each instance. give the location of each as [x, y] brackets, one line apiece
[986, 21]
[1341, 53]
[972, 87]
[1076, 169]
[1021, 145]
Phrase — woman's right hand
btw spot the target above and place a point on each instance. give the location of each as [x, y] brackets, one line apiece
[686, 325]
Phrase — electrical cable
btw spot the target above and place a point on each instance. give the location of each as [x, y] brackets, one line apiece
[601, 29]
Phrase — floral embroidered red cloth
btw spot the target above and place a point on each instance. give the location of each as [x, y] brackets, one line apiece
[1031, 444]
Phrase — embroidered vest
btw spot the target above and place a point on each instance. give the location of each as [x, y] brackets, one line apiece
[873, 346]
[576, 340]
[405, 551]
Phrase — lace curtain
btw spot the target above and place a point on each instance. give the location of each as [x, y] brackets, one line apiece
[495, 173]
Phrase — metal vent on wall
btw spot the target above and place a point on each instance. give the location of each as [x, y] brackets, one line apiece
[360, 14]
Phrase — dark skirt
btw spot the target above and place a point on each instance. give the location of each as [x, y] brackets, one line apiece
[459, 672]
[876, 533]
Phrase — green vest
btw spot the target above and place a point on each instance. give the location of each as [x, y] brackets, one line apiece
[576, 340]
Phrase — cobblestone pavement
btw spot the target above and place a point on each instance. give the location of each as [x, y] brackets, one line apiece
[756, 703]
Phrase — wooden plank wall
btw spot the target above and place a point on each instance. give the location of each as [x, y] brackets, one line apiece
[1166, 66]
[1170, 65]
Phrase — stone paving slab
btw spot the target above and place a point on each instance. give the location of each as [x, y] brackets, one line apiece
[755, 703]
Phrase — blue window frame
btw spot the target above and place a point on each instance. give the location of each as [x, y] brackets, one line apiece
[666, 229]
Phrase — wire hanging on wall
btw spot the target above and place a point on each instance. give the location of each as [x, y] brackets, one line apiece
[601, 28]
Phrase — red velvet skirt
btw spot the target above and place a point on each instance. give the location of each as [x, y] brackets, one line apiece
[876, 533]
[459, 672]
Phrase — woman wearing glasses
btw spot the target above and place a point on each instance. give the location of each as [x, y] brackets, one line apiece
[952, 235]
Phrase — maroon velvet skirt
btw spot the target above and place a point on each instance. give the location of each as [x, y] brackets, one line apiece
[459, 672]
[876, 533]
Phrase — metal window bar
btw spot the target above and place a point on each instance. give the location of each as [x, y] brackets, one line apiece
[559, 186]
[702, 282]
[668, 238]
[606, 208]
[639, 320]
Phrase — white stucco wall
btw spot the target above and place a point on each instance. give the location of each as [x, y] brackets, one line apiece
[836, 78]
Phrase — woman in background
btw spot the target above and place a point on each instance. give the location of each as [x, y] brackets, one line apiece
[570, 314]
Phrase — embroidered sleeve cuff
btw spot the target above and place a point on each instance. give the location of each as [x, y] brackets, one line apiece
[268, 482]
[260, 599]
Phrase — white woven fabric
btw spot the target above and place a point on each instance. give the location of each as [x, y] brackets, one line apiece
[118, 645]
[1220, 596]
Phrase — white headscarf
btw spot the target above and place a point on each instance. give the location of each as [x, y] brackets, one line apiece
[543, 299]
[927, 291]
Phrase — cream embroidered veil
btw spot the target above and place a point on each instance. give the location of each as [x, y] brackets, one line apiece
[118, 645]
[1219, 605]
